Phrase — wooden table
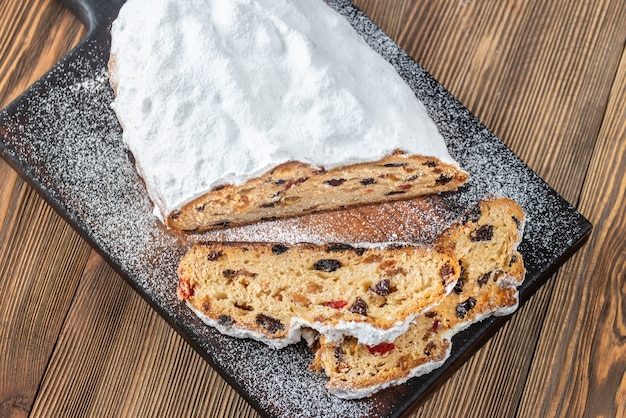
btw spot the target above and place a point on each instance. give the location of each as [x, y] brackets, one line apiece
[548, 77]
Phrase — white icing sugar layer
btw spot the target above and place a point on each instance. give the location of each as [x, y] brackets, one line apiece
[211, 92]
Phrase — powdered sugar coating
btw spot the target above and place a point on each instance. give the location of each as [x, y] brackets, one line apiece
[64, 137]
[270, 81]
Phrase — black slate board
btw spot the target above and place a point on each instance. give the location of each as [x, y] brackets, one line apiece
[62, 136]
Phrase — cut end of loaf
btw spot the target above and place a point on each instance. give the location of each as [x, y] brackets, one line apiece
[293, 189]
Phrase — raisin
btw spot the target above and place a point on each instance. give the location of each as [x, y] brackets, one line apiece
[279, 182]
[430, 164]
[484, 233]
[359, 306]
[484, 279]
[443, 179]
[268, 205]
[243, 306]
[428, 350]
[339, 354]
[458, 287]
[279, 249]
[430, 314]
[393, 192]
[435, 326]
[473, 215]
[381, 288]
[296, 182]
[200, 208]
[272, 325]
[368, 181]
[335, 182]
[338, 247]
[175, 216]
[446, 272]
[464, 307]
[413, 177]
[206, 305]
[225, 320]
[229, 273]
[217, 188]
[395, 164]
[244, 272]
[327, 265]
[214, 255]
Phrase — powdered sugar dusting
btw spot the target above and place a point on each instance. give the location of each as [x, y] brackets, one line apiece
[63, 135]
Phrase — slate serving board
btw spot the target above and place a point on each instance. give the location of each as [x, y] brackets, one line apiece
[64, 139]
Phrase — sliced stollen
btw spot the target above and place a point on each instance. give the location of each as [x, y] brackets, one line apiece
[240, 110]
[269, 291]
[485, 242]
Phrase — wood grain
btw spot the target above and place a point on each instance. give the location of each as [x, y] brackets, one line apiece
[41, 257]
[547, 77]
[116, 357]
[586, 321]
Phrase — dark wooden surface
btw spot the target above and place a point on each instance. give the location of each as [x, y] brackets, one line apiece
[549, 78]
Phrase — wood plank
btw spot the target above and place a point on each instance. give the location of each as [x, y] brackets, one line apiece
[586, 322]
[41, 260]
[41, 257]
[35, 35]
[116, 357]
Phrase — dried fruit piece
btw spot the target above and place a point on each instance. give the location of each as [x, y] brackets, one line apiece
[435, 326]
[279, 249]
[335, 182]
[185, 290]
[393, 192]
[327, 265]
[368, 181]
[382, 288]
[338, 247]
[359, 307]
[484, 233]
[214, 255]
[225, 320]
[336, 304]
[443, 179]
[464, 307]
[482, 280]
[272, 325]
[243, 306]
[430, 347]
[446, 272]
[381, 348]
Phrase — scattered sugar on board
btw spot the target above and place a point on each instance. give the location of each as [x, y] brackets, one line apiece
[66, 136]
